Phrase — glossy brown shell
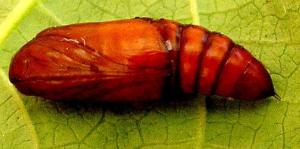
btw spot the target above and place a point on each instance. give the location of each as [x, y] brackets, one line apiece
[136, 60]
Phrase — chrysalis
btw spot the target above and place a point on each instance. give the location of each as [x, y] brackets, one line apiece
[137, 59]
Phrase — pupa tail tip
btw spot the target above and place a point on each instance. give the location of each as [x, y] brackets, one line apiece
[277, 97]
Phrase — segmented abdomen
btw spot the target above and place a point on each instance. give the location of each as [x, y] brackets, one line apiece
[212, 64]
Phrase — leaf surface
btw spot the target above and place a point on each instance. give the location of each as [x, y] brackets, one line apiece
[269, 29]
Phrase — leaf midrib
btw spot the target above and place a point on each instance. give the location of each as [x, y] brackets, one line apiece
[14, 17]
[7, 26]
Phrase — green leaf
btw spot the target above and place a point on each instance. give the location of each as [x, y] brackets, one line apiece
[47, 124]
[270, 30]
[16, 129]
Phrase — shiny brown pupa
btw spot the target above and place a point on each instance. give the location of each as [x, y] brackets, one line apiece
[134, 60]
